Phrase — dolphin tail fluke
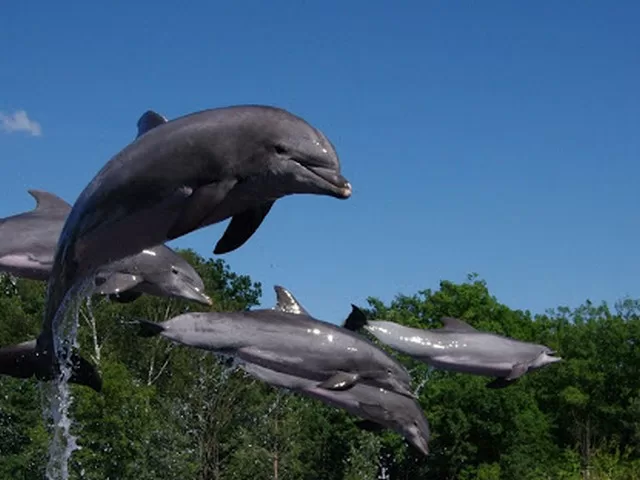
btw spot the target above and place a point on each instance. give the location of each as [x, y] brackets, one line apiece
[23, 361]
[19, 360]
[149, 329]
[85, 373]
[356, 319]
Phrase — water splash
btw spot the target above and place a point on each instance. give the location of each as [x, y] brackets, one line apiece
[57, 393]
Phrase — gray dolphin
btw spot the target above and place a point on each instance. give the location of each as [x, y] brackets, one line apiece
[157, 271]
[291, 343]
[377, 405]
[182, 175]
[459, 347]
[28, 243]
[28, 240]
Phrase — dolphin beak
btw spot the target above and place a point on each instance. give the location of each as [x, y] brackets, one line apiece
[340, 186]
[419, 442]
[195, 294]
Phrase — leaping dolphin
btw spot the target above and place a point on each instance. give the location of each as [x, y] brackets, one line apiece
[180, 176]
[292, 343]
[458, 347]
[28, 243]
[379, 407]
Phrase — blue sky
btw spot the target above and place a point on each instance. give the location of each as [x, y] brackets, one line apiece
[492, 137]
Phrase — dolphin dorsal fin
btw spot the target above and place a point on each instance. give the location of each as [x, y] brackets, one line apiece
[48, 202]
[356, 319]
[148, 121]
[456, 325]
[286, 302]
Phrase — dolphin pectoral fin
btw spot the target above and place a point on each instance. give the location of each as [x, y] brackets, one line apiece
[369, 426]
[500, 382]
[356, 319]
[340, 381]
[198, 207]
[149, 120]
[241, 227]
[125, 297]
[518, 370]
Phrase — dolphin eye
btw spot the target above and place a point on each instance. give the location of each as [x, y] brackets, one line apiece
[174, 270]
[279, 149]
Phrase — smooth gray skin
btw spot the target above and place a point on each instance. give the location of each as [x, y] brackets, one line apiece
[388, 409]
[180, 176]
[28, 243]
[459, 347]
[295, 344]
[396, 412]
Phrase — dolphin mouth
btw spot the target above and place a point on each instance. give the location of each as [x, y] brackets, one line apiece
[421, 445]
[188, 291]
[198, 296]
[339, 186]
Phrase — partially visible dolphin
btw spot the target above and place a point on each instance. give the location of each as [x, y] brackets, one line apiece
[157, 271]
[28, 243]
[28, 240]
[179, 176]
[295, 344]
[377, 405]
[459, 347]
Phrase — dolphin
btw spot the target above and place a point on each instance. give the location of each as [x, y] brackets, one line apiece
[379, 407]
[179, 176]
[458, 347]
[21, 361]
[28, 242]
[295, 344]
[157, 271]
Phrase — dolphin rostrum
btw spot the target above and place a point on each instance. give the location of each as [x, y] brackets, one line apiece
[28, 243]
[458, 347]
[180, 176]
[292, 343]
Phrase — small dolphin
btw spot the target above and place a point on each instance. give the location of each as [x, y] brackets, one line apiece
[295, 344]
[157, 271]
[458, 347]
[28, 243]
[377, 405]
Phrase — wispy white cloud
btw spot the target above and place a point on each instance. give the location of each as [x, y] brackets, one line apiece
[19, 122]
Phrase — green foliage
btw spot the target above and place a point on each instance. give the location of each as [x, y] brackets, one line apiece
[171, 412]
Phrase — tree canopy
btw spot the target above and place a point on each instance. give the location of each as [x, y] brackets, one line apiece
[170, 412]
